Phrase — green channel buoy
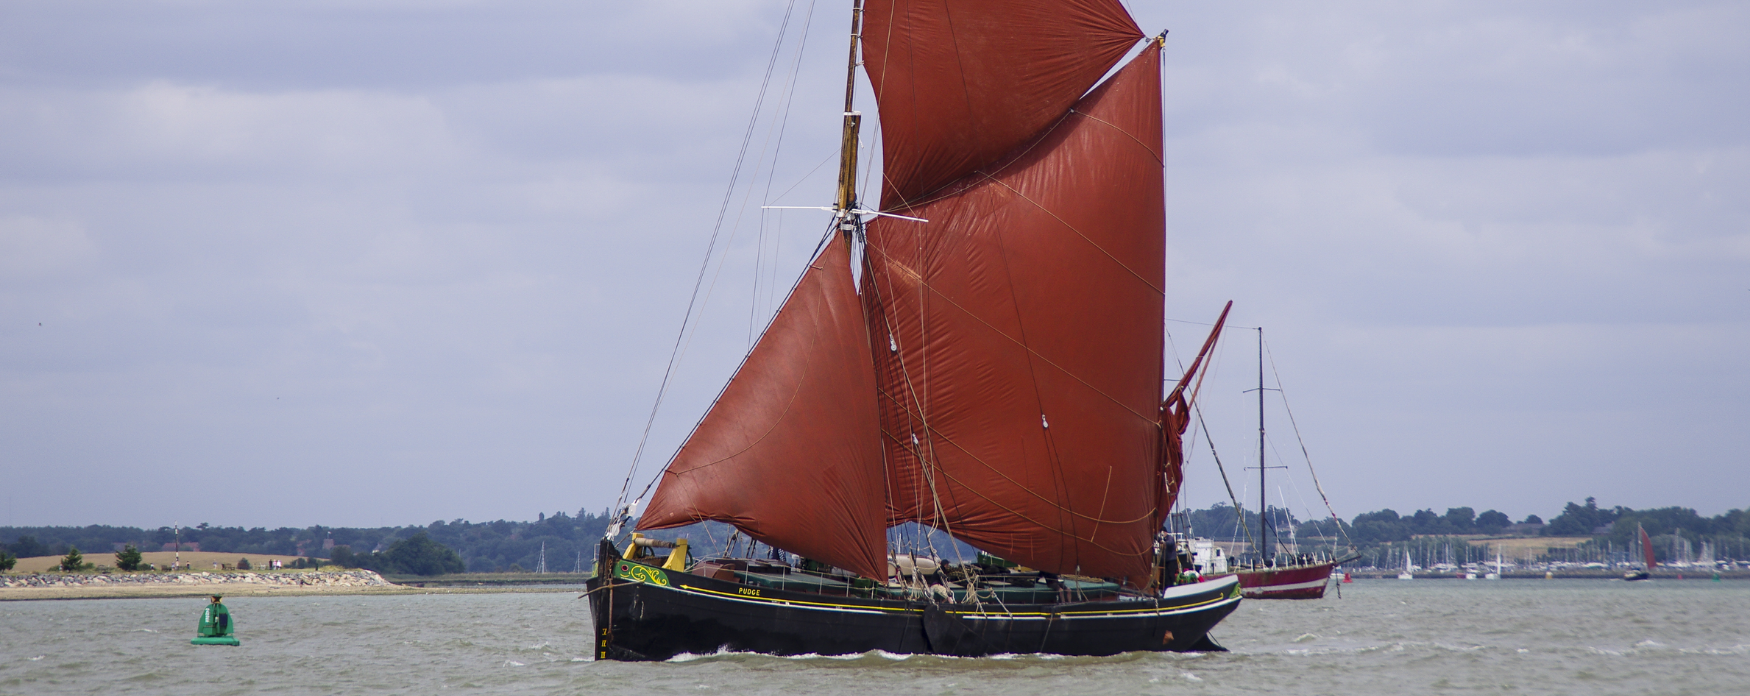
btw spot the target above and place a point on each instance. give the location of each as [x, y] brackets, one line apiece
[215, 627]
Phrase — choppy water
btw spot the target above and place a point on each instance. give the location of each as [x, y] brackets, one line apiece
[1381, 637]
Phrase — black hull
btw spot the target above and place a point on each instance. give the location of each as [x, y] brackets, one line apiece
[644, 613]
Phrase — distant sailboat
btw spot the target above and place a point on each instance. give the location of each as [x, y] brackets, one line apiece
[1406, 574]
[1282, 576]
[1646, 544]
[1497, 574]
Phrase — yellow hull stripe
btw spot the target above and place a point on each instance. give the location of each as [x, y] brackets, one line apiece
[1218, 599]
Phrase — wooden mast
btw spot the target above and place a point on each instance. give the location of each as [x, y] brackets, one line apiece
[847, 195]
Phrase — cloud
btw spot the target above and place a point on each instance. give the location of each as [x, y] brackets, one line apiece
[1496, 241]
[165, 131]
[34, 248]
[406, 261]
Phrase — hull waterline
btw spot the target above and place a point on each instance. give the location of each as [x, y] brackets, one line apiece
[1286, 582]
[645, 613]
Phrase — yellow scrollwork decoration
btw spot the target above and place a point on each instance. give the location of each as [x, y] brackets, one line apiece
[640, 573]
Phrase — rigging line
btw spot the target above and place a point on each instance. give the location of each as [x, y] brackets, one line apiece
[1023, 487]
[1238, 509]
[1079, 233]
[1205, 323]
[777, 253]
[1318, 524]
[922, 282]
[905, 375]
[955, 188]
[823, 242]
[886, 53]
[780, 124]
[775, 423]
[886, 475]
[1189, 449]
[1049, 528]
[1126, 133]
[804, 178]
[1303, 451]
[723, 261]
[753, 306]
[869, 165]
[925, 463]
[1059, 481]
[772, 127]
[959, 185]
[728, 195]
[1185, 448]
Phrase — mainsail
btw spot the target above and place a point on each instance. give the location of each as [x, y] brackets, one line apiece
[1018, 342]
[789, 454]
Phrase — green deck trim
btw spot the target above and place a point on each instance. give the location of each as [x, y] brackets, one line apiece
[800, 582]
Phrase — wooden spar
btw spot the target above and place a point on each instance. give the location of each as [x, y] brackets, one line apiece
[847, 197]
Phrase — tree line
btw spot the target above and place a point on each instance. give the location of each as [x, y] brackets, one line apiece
[569, 540]
[495, 546]
[1611, 528]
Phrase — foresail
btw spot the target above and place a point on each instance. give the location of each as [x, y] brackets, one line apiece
[790, 453]
[961, 82]
[1176, 416]
[1018, 342]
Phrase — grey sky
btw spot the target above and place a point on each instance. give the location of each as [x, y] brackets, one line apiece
[385, 263]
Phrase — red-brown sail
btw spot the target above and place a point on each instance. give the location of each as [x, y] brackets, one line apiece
[961, 82]
[1018, 339]
[789, 454]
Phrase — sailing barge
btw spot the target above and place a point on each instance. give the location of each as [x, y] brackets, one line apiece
[994, 372]
[645, 612]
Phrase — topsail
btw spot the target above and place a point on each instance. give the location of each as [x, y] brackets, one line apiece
[960, 83]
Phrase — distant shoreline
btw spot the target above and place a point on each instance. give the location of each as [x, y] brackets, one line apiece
[59, 594]
[153, 585]
[1686, 576]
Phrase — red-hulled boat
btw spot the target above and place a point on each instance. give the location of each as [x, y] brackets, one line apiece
[1300, 581]
[1296, 576]
[1282, 576]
